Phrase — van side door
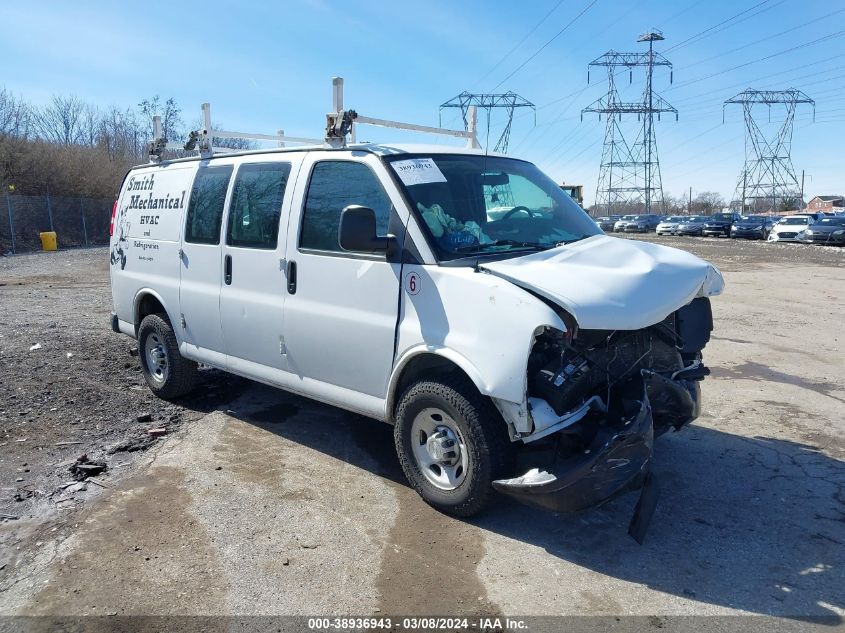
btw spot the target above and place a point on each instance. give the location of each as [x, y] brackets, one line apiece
[254, 287]
[342, 307]
[201, 269]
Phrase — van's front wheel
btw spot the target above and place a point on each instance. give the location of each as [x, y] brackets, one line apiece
[452, 443]
[168, 374]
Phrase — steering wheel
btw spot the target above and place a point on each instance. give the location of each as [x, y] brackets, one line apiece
[514, 210]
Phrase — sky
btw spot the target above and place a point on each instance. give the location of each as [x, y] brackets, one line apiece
[268, 65]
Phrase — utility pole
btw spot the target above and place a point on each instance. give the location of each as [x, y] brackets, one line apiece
[630, 173]
[802, 188]
[689, 202]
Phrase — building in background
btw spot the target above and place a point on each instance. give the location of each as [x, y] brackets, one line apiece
[826, 204]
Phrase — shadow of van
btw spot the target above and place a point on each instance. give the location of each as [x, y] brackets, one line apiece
[749, 523]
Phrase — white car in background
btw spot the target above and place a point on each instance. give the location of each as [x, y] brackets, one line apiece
[621, 223]
[669, 225]
[789, 228]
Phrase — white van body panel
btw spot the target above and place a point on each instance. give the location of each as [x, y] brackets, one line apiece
[608, 283]
[340, 323]
[482, 323]
[200, 278]
[252, 305]
[145, 244]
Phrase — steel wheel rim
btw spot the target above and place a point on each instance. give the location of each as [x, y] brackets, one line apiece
[439, 448]
[155, 355]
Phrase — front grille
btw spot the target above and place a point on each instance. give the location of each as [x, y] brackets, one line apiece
[787, 235]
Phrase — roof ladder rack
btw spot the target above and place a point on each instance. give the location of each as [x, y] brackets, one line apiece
[201, 140]
[340, 124]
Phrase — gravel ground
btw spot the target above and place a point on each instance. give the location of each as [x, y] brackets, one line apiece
[259, 502]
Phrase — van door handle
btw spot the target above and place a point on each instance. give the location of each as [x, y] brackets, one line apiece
[227, 274]
[291, 275]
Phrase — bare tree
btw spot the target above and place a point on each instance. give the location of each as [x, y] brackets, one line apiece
[707, 202]
[14, 116]
[171, 117]
[121, 135]
[62, 121]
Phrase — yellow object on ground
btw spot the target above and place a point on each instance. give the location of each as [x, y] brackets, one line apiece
[48, 241]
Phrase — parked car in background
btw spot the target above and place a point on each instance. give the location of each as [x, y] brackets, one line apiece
[620, 224]
[642, 223]
[753, 227]
[669, 225]
[693, 225]
[828, 230]
[720, 224]
[606, 223]
[789, 227]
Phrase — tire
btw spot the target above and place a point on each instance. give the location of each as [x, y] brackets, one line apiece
[168, 374]
[482, 440]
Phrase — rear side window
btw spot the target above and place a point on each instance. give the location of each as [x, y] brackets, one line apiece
[257, 205]
[335, 185]
[205, 210]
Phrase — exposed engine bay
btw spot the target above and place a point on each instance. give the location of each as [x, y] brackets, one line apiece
[598, 399]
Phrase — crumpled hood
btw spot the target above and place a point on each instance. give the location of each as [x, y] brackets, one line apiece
[608, 283]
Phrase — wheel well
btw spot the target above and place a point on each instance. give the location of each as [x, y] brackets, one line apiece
[418, 368]
[148, 304]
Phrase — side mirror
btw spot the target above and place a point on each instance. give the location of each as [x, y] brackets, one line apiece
[358, 231]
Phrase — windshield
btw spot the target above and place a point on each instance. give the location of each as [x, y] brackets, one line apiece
[831, 222]
[472, 204]
[795, 221]
[696, 218]
[722, 217]
[675, 218]
[753, 219]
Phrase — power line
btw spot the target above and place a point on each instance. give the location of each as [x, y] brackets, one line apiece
[769, 37]
[540, 50]
[761, 59]
[521, 42]
[690, 39]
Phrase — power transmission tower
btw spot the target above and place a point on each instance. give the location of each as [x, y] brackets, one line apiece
[630, 172]
[768, 174]
[508, 101]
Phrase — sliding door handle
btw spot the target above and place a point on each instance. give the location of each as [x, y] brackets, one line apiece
[227, 266]
[291, 275]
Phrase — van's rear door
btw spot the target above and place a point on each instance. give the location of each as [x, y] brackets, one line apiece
[254, 240]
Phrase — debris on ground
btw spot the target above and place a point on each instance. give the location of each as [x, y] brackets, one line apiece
[84, 467]
[144, 417]
[32, 348]
[157, 432]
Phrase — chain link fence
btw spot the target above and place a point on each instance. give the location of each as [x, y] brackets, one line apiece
[76, 221]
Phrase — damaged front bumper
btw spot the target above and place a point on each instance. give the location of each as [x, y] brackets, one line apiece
[618, 457]
[617, 460]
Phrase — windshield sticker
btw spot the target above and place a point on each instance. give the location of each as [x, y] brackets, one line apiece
[418, 171]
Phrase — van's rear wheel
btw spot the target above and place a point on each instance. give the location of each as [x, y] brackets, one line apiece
[168, 374]
[452, 443]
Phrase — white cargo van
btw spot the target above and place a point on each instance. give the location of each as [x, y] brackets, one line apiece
[458, 295]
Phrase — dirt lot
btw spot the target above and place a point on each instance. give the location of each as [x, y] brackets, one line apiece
[258, 502]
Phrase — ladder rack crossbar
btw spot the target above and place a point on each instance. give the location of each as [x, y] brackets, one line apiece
[413, 127]
[265, 137]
